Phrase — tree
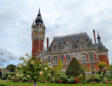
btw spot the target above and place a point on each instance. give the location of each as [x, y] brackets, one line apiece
[33, 68]
[101, 64]
[74, 68]
[11, 68]
[102, 67]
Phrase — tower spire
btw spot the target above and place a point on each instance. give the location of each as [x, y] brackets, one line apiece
[39, 14]
[39, 18]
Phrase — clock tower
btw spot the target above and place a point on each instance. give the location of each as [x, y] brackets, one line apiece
[38, 35]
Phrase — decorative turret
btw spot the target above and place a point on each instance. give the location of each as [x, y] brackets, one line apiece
[100, 46]
[38, 35]
[98, 37]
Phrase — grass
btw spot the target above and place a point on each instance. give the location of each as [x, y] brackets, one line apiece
[10, 83]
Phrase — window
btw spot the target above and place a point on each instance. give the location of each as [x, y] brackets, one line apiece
[55, 60]
[68, 59]
[62, 59]
[83, 57]
[91, 58]
[49, 59]
[92, 67]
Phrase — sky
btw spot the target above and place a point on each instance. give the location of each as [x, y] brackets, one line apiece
[61, 17]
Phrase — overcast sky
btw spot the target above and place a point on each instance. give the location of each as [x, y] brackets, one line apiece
[61, 17]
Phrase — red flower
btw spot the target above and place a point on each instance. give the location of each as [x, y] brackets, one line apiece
[106, 81]
[110, 81]
[77, 80]
[59, 80]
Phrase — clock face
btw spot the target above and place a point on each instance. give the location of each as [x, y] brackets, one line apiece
[35, 33]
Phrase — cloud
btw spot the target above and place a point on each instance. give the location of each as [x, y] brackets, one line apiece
[61, 17]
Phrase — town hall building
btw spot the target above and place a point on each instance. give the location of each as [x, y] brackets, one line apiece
[65, 48]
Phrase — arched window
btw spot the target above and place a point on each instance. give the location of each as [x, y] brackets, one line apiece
[91, 58]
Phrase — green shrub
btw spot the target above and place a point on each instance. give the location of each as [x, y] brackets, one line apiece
[71, 80]
[74, 68]
[62, 76]
[11, 68]
[25, 79]
[81, 77]
[9, 77]
[98, 78]
[109, 75]
[94, 78]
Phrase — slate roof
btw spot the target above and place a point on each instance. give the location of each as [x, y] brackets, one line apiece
[74, 42]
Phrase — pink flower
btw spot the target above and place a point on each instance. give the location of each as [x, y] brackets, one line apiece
[17, 75]
[41, 73]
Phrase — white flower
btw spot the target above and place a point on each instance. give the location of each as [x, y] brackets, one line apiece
[28, 75]
[51, 66]
[32, 62]
[21, 74]
[45, 68]
[41, 73]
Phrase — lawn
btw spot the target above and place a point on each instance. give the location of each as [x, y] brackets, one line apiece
[10, 83]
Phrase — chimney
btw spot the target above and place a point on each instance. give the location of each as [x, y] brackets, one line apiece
[47, 42]
[94, 33]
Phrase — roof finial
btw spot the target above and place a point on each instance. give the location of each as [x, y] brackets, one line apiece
[39, 14]
[98, 37]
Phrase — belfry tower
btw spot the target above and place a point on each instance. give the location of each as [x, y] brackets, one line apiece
[38, 35]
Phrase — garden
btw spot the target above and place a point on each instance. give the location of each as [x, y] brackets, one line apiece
[36, 72]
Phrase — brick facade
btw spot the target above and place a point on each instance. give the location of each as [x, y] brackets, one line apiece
[65, 48]
[80, 47]
[38, 35]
